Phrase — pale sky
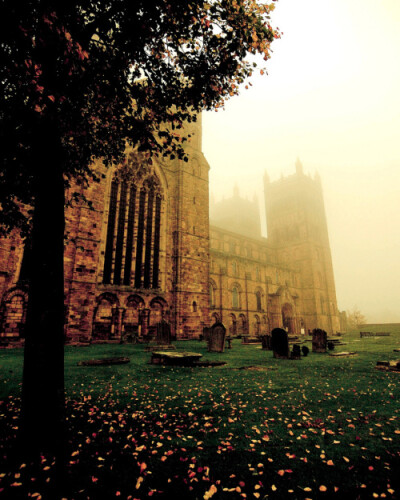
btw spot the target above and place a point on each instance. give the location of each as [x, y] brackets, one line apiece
[331, 98]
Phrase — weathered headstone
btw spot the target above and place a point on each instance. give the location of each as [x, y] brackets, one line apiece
[163, 333]
[296, 353]
[163, 338]
[305, 350]
[216, 340]
[266, 342]
[319, 340]
[280, 343]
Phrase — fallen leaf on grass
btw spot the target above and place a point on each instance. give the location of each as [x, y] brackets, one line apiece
[208, 494]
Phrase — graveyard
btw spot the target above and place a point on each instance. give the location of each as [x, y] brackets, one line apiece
[307, 425]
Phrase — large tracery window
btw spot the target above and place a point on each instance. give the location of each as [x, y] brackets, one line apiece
[132, 251]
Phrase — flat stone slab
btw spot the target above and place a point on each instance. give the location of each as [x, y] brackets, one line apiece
[182, 358]
[336, 342]
[350, 353]
[254, 368]
[388, 366]
[206, 364]
[104, 362]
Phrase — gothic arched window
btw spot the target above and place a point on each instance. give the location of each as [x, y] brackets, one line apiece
[212, 295]
[235, 297]
[132, 249]
[258, 300]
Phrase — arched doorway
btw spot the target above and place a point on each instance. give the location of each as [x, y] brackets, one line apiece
[232, 325]
[132, 320]
[242, 328]
[257, 325]
[265, 325]
[105, 321]
[288, 321]
[13, 315]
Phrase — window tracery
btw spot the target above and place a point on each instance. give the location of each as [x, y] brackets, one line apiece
[132, 251]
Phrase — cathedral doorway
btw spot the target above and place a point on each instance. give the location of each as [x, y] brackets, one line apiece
[288, 320]
[242, 330]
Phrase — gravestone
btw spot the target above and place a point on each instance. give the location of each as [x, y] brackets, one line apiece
[216, 339]
[280, 343]
[206, 333]
[163, 333]
[296, 353]
[305, 350]
[266, 342]
[319, 340]
[163, 338]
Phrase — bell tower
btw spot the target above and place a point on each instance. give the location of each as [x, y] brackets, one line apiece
[297, 229]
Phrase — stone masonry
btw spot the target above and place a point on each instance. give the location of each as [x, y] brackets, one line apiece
[145, 252]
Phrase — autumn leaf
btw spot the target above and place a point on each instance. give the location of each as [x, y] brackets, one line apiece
[210, 492]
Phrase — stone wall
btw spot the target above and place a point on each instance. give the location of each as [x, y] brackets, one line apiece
[205, 274]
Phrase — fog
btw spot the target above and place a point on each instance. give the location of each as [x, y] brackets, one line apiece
[331, 98]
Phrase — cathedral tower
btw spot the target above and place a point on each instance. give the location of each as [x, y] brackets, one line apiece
[297, 228]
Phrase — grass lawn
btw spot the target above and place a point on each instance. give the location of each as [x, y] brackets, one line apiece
[256, 427]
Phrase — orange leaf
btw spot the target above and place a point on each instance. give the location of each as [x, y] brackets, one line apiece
[210, 492]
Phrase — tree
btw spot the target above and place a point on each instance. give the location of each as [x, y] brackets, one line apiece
[355, 319]
[82, 80]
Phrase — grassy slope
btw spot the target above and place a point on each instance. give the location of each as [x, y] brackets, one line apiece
[291, 429]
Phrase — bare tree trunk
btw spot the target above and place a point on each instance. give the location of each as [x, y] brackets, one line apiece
[42, 418]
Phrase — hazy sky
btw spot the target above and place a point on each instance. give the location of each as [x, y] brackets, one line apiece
[331, 98]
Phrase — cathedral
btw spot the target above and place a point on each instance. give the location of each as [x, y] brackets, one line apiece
[150, 248]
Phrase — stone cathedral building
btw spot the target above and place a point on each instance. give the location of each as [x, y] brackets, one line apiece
[146, 251]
